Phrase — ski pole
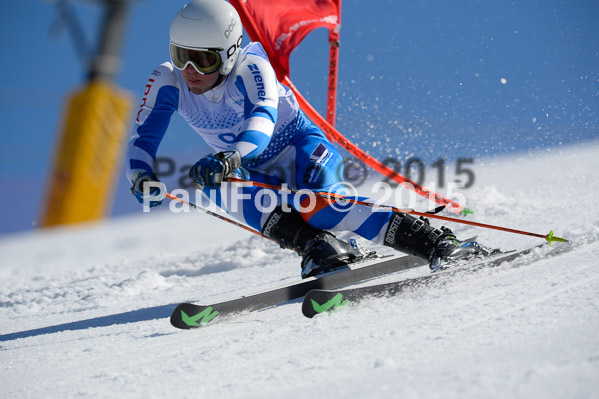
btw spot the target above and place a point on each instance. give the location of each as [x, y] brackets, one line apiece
[226, 219]
[332, 196]
[337, 197]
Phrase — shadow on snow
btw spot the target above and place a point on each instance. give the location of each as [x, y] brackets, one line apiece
[156, 312]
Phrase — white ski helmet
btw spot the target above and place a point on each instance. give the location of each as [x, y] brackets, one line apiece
[206, 34]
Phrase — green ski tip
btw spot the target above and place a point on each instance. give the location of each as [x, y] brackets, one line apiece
[333, 304]
[466, 211]
[203, 317]
[551, 238]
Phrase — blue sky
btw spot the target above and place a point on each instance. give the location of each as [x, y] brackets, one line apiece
[423, 79]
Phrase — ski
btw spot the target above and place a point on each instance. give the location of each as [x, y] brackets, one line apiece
[188, 315]
[323, 300]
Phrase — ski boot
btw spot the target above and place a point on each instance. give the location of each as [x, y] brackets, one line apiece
[325, 252]
[439, 247]
[450, 250]
[320, 250]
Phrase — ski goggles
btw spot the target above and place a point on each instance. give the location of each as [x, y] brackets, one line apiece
[205, 61]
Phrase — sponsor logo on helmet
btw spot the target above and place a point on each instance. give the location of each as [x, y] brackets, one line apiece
[230, 28]
[231, 50]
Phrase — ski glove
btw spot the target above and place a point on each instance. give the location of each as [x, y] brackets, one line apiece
[213, 169]
[148, 189]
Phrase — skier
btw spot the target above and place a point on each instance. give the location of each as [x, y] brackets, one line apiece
[230, 96]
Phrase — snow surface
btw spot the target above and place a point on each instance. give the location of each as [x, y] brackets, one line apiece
[83, 311]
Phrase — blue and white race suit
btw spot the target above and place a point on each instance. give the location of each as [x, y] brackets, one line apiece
[251, 112]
